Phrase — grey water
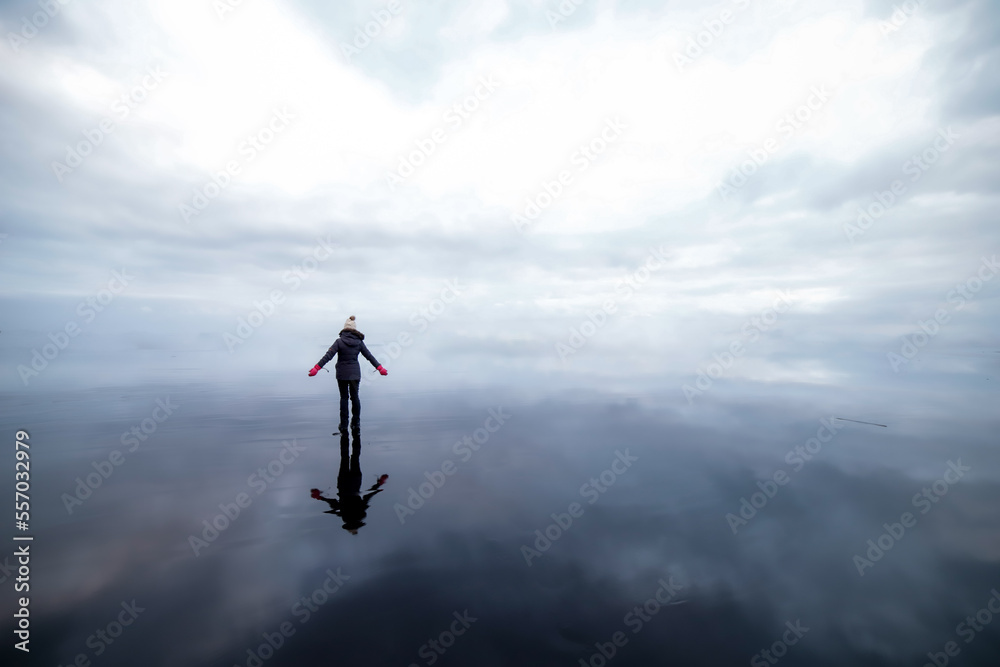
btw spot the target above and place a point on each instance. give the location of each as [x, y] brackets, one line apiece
[197, 523]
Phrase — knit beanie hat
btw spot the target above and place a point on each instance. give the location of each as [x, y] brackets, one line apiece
[349, 324]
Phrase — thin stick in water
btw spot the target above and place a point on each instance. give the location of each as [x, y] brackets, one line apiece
[859, 422]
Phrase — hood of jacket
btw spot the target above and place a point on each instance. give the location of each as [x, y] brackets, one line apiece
[352, 337]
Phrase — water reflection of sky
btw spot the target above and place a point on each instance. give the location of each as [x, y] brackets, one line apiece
[671, 335]
[658, 520]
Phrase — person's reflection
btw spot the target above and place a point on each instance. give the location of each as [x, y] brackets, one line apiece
[350, 506]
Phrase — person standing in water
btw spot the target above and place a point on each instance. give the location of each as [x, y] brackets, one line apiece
[347, 347]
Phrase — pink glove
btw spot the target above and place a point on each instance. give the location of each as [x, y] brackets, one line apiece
[382, 371]
[315, 369]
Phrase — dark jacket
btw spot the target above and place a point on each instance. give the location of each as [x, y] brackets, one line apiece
[346, 348]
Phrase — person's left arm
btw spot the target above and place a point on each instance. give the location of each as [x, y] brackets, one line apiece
[330, 354]
[371, 359]
[326, 357]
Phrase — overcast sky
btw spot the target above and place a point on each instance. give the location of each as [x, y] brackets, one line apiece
[535, 155]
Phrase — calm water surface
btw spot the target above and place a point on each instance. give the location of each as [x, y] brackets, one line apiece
[500, 527]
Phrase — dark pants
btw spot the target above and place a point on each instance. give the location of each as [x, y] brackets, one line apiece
[349, 386]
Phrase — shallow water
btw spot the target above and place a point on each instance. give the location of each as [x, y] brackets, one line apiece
[539, 544]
